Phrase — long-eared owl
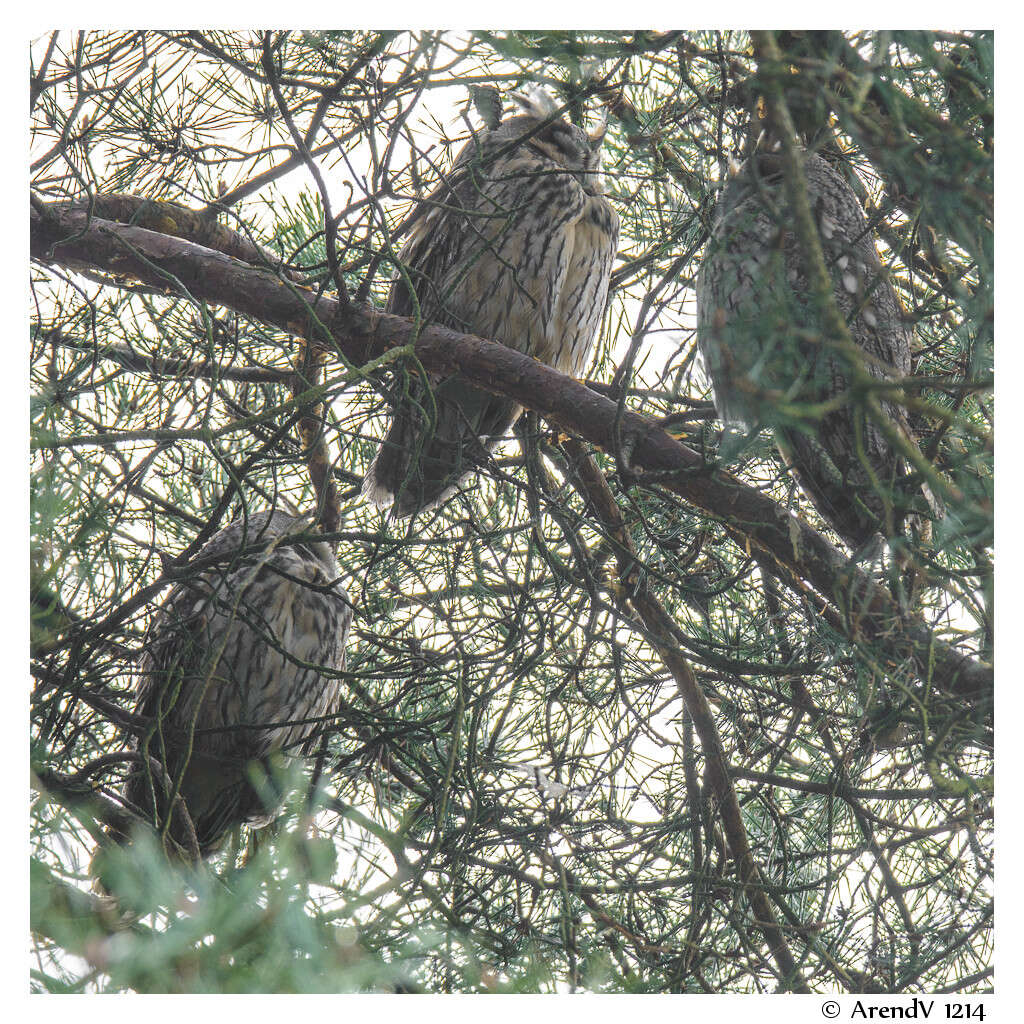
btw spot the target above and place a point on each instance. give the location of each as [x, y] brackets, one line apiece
[241, 664]
[515, 245]
[761, 338]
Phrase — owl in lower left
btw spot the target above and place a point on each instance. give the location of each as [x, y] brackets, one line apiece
[241, 666]
[516, 245]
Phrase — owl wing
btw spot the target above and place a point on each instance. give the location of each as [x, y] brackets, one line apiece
[179, 639]
[184, 644]
[850, 468]
[584, 291]
[861, 285]
[742, 290]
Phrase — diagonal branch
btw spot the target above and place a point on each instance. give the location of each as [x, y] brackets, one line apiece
[170, 218]
[869, 614]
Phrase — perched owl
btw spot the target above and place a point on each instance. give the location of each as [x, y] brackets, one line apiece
[761, 340]
[515, 245]
[240, 664]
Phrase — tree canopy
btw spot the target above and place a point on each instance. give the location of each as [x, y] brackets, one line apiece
[623, 714]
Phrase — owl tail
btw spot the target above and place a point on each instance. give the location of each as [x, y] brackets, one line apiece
[138, 794]
[415, 470]
[120, 832]
[218, 795]
[842, 492]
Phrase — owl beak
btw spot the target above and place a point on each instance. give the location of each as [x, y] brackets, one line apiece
[596, 136]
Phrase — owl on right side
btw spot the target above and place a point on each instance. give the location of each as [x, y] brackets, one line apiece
[761, 338]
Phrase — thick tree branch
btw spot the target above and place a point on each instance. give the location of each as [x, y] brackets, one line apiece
[169, 218]
[869, 614]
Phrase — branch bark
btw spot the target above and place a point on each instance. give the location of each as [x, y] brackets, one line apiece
[169, 218]
[309, 372]
[870, 617]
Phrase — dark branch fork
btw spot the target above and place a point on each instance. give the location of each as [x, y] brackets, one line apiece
[60, 235]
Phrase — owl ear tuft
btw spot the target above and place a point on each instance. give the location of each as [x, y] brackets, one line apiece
[535, 102]
[596, 134]
[487, 102]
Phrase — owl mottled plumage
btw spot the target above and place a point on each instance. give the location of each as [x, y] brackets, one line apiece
[239, 664]
[761, 339]
[516, 245]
